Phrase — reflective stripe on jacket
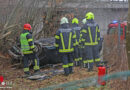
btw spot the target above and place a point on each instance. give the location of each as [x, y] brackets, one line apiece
[76, 31]
[64, 40]
[26, 43]
[90, 33]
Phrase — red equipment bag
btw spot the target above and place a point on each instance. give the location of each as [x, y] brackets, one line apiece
[101, 73]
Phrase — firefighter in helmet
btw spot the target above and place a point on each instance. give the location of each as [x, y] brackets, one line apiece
[90, 38]
[28, 50]
[64, 44]
[77, 50]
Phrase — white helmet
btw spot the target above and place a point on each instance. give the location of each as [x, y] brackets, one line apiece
[64, 20]
[84, 21]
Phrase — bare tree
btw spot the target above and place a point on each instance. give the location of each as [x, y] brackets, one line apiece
[43, 15]
[29, 11]
[13, 23]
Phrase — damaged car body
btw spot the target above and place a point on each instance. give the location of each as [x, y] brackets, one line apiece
[45, 50]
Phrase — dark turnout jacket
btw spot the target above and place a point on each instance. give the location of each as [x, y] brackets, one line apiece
[76, 29]
[64, 39]
[90, 33]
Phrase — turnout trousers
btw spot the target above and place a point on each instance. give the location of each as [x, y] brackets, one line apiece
[92, 55]
[77, 55]
[67, 60]
[27, 59]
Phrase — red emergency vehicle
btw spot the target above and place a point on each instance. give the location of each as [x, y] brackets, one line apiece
[112, 27]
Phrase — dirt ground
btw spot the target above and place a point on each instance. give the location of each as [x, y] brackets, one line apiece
[117, 64]
[14, 75]
[11, 74]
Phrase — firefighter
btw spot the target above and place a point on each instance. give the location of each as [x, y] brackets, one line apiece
[64, 44]
[83, 47]
[77, 51]
[28, 50]
[90, 37]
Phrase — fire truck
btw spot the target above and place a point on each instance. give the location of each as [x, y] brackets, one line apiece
[113, 27]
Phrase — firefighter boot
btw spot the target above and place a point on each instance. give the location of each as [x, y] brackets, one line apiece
[85, 65]
[79, 63]
[90, 67]
[70, 70]
[66, 70]
[76, 63]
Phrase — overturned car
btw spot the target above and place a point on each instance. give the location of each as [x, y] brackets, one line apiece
[45, 50]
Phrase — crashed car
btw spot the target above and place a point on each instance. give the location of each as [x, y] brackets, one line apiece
[45, 50]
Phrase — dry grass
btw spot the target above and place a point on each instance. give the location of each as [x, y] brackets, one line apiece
[117, 58]
[13, 75]
[117, 61]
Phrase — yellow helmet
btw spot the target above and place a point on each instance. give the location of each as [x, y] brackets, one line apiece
[64, 20]
[75, 20]
[89, 15]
